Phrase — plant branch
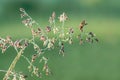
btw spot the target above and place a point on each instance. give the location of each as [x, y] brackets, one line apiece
[12, 66]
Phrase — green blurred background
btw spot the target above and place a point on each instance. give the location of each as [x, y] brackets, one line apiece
[99, 61]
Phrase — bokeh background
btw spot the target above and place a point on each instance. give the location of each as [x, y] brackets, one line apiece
[97, 61]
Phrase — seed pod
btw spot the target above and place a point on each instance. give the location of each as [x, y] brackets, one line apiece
[17, 43]
[70, 41]
[30, 68]
[35, 47]
[50, 20]
[53, 15]
[47, 71]
[88, 39]
[25, 76]
[28, 22]
[44, 58]
[8, 38]
[39, 75]
[21, 77]
[91, 34]
[63, 17]
[35, 71]
[45, 43]
[53, 40]
[96, 40]
[22, 10]
[81, 41]
[4, 49]
[33, 32]
[50, 45]
[48, 28]
[25, 22]
[22, 15]
[82, 24]
[26, 43]
[34, 57]
[42, 38]
[71, 30]
[61, 49]
[45, 67]
[55, 30]
[14, 77]
[39, 30]
[1, 44]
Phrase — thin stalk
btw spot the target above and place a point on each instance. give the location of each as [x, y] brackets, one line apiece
[12, 66]
[63, 27]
